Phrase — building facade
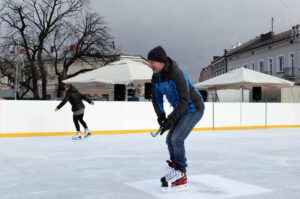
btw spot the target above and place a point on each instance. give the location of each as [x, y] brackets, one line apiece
[277, 55]
[217, 67]
[273, 54]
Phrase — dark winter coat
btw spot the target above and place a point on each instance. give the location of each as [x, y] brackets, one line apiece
[75, 99]
[179, 90]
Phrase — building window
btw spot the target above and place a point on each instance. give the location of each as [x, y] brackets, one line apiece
[291, 60]
[9, 82]
[105, 96]
[5, 80]
[270, 66]
[261, 66]
[299, 60]
[280, 63]
[252, 65]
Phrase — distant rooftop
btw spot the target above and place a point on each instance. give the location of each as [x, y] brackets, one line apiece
[265, 39]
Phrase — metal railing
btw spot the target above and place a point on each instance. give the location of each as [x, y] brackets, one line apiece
[268, 72]
[288, 72]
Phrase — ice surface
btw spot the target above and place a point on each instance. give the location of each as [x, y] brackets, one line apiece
[202, 186]
[246, 164]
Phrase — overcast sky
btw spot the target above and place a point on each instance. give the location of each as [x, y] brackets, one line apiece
[192, 31]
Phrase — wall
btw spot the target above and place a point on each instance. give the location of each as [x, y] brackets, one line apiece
[282, 114]
[233, 95]
[290, 94]
[263, 53]
[39, 117]
[31, 118]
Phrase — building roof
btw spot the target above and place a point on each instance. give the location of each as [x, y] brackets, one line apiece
[259, 42]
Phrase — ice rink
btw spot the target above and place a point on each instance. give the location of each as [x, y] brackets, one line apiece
[241, 164]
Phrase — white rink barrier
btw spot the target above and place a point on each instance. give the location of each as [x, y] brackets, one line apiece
[38, 118]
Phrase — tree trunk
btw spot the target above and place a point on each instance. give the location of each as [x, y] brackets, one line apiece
[60, 87]
[34, 81]
[43, 72]
[44, 84]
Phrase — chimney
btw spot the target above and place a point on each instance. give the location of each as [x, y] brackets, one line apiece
[52, 49]
[296, 30]
[266, 36]
[215, 57]
[226, 51]
[113, 45]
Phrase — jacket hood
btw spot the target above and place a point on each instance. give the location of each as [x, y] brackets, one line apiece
[169, 66]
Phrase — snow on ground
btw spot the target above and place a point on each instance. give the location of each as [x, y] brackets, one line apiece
[241, 164]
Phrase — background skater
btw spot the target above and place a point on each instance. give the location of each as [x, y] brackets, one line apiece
[75, 99]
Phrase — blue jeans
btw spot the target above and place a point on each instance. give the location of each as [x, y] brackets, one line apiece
[178, 133]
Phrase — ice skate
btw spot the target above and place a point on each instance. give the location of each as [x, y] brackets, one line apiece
[169, 172]
[77, 136]
[87, 133]
[177, 181]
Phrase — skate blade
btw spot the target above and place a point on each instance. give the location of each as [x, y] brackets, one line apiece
[89, 135]
[77, 138]
[175, 188]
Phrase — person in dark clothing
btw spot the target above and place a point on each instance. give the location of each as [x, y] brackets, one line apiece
[75, 99]
[188, 109]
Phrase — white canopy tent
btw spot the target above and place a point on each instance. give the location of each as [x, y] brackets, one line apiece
[119, 72]
[243, 78]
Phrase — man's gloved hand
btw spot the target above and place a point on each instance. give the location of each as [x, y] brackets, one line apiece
[160, 119]
[166, 124]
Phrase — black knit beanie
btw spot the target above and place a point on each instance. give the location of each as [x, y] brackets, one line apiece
[157, 54]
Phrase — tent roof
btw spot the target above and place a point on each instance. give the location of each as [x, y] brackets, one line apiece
[119, 72]
[246, 79]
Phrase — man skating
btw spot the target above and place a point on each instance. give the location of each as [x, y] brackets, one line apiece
[188, 108]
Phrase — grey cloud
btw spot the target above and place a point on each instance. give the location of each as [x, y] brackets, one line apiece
[192, 31]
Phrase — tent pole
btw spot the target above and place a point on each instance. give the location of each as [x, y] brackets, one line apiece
[242, 94]
[266, 115]
[213, 115]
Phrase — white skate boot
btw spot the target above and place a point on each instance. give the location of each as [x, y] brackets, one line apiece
[175, 181]
[175, 184]
[170, 172]
[77, 136]
[87, 133]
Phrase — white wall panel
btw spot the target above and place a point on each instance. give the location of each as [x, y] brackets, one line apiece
[227, 114]
[283, 114]
[39, 116]
[253, 114]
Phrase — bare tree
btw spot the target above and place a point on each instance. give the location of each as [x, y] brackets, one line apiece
[86, 40]
[30, 25]
[8, 66]
[19, 35]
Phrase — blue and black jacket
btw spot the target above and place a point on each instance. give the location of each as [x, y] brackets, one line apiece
[179, 90]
